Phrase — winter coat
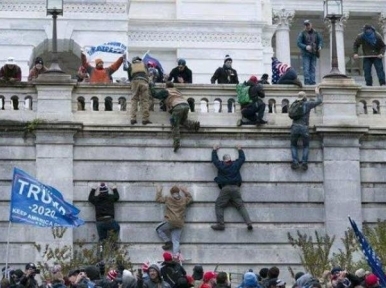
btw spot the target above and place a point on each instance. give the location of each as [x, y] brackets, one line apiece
[103, 75]
[104, 203]
[175, 209]
[186, 74]
[228, 172]
[225, 75]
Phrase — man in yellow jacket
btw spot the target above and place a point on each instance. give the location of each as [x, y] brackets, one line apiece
[170, 229]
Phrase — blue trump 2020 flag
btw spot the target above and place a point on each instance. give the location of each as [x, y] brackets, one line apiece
[35, 203]
[109, 47]
[372, 258]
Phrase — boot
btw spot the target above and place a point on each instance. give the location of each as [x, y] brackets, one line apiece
[218, 227]
[168, 245]
[176, 145]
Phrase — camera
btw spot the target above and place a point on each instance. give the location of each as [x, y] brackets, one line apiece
[36, 271]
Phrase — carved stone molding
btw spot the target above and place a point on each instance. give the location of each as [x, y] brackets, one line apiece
[339, 24]
[39, 6]
[144, 36]
[283, 18]
[382, 21]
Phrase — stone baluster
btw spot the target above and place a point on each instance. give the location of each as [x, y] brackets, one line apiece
[283, 20]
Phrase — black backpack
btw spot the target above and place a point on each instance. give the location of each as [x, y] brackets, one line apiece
[171, 274]
[296, 110]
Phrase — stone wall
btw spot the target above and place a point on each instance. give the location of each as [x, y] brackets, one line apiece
[73, 150]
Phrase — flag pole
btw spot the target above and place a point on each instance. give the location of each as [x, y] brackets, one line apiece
[7, 251]
[147, 52]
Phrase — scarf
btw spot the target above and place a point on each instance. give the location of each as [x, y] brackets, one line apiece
[370, 38]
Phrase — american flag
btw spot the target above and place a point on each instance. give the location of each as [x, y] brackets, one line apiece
[372, 259]
[278, 69]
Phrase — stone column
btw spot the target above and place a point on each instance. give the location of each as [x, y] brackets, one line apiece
[283, 19]
[342, 179]
[382, 22]
[54, 142]
[339, 30]
[341, 132]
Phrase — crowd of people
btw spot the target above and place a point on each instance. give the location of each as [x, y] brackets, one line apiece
[171, 274]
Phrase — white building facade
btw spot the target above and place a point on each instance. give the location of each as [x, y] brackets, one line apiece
[200, 31]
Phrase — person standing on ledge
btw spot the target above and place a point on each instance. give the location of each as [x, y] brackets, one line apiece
[373, 48]
[310, 43]
[229, 180]
[225, 74]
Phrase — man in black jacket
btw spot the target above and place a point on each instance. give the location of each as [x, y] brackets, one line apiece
[104, 210]
[229, 180]
[181, 73]
[225, 74]
[28, 279]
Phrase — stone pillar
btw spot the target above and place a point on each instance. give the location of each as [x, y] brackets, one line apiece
[54, 142]
[342, 179]
[382, 22]
[339, 105]
[339, 30]
[341, 155]
[54, 101]
[54, 167]
[283, 19]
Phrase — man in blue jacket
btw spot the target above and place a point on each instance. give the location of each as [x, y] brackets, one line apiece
[229, 180]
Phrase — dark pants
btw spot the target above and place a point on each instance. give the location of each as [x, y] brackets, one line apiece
[180, 117]
[299, 131]
[288, 77]
[104, 227]
[378, 65]
[253, 112]
[230, 194]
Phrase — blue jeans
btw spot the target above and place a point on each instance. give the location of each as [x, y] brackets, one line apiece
[309, 64]
[378, 65]
[104, 227]
[299, 131]
[165, 228]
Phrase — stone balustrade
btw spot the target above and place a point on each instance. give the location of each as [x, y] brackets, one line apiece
[91, 101]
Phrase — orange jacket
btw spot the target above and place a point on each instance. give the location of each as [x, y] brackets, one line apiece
[101, 75]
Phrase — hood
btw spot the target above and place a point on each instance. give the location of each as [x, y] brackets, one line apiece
[129, 282]
[304, 280]
[155, 266]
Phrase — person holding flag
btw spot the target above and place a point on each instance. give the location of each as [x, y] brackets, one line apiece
[100, 74]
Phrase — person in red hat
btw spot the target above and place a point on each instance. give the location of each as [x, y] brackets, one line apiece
[209, 279]
[252, 112]
[371, 281]
[171, 271]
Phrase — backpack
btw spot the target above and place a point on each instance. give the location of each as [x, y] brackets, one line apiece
[171, 274]
[296, 110]
[243, 94]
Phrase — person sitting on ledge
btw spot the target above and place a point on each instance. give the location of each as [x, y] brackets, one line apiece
[10, 72]
[284, 74]
[253, 112]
